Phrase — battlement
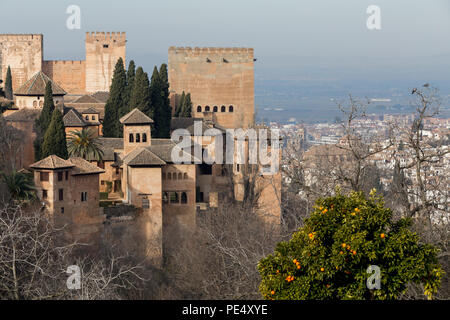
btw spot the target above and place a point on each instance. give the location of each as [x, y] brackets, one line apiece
[212, 51]
[21, 37]
[64, 61]
[105, 36]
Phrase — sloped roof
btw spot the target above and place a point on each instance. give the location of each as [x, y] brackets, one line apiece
[101, 96]
[23, 115]
[90, 110]
[108, 145]
[189, 123]
[52, 162]
[73, 119]
[163, 149]
[86, 99]
[135, 116]
[84, 167]
[141, 157]
[36, 86]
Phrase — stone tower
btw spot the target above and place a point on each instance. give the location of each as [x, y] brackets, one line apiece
[220, 81]
[102, 52]
[23, 53]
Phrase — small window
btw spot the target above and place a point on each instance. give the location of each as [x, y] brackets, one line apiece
[101, 164]
[41, 103]
[174, 176]
[60, 176]
[238, 167]
[215, 109]
[131, 138]
[83, 196]
[117, 170]
[180, 176]
[44, 176]
[199, 109]
[138, 138]
[144, 137]
[165, 197]
[207, 109]
[44, 194]
[93, 117]
[61, 194]
[87, 118]
[106, 46]
[183, 197]
[145, 203]
[102, 182]
[169, 176]
[185, 176]
[174, 197]
[230, 109]
[67, 175]
[223, 109]
[62, 209]
[35, 103]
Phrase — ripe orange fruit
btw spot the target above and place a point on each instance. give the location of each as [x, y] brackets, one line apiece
[298, 266]
[272, 292]
[344, 245]
[348, 247]
[382, 235]
[340, 252]
[294, 261]
[354, 252]
[322, 269]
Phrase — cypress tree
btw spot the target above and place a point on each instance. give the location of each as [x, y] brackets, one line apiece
[131, 74]
[165, 108]
[43, 122]
[187, 107]
[8, 85]
[140, 95]
[180, 104]
[157, 100]
[116, 100]
[55, 138]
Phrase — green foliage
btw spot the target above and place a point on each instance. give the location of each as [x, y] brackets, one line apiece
[140, 95]
[186, 110]
[20, 185]
[103, 195]
[84, 143]
[115, 103]
[159, 92]
[8, 85]
[43, 122]
[55, 138]
[328, 257]
[179, 106]
[131, 73]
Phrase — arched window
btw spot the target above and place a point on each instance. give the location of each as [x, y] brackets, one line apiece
[174, 197]
[174, 175]
[165, 197]
[207, 109]
[93, 117]
[230, 109]
[185, 176]
[215, 109]
[87, 118]
[183, 197]
[41, 103]
[138, 137]
[199, 109]
[144, 137]
[180, 176]
[35, 103]
[223, 109]
[131, 138]
[169, 176]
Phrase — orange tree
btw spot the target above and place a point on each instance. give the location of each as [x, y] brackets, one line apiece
[328, 258]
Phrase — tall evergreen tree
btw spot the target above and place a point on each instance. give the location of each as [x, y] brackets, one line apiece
[44, 120]
[8, 85]
[131, 74]
[180, 104]
[55, 138]
[165, 108]
[117, 97]
[157, 100]
[186, 110]
[140, 95]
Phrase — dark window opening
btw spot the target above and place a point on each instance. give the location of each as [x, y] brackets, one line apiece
[230, 109]
[199, 109]
[205, 169]
[44, 194]
[131, 137]
[174, 197]
[62, 209]
[207, 109]
[169, 176]
[61, 194]
[144, 137]
[165, 197]
[183, 197]
[67, 175]
[44, 176]
[223, 109]
[215, 109]
[83, 196]
[138, 138]
[105, 46]
[60, 176]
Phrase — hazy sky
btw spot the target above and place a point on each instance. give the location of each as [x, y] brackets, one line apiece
[292, 38]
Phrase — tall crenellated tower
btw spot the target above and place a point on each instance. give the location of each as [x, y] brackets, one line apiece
[102, 52]
[220, 81]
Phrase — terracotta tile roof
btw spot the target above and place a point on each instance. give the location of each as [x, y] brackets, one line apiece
[52, 162]
[142, 157]
[188, 124]
[82, 107]
[84, 167]
[86, 99]
[101, 96]
[90, 110]
[108, 146]
[36, 86]
[23, 115]
[73, 119]
[136, 116]
[163, 149]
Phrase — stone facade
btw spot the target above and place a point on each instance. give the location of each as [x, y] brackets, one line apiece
[24, 54]
[220, 80]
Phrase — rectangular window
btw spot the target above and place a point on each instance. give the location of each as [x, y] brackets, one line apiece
[67, 175]
[174, 197]
[60, 176]
[62, 209]
[83, 196]
[44, 176]
[61, 194]
[102, 182]
[44, 194]
[145, 203]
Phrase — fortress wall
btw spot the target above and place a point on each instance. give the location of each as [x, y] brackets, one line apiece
[23, 53]
[102, 52]
[70, 75]
[215, 77]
